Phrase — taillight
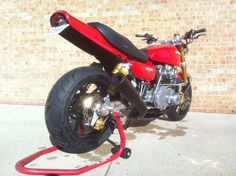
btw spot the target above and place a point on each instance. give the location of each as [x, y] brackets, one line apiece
[57, 19]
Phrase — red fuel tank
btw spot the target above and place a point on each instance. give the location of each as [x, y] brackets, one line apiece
[168, 54]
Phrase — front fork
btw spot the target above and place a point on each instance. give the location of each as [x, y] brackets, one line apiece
[186, 78]
[183, 64]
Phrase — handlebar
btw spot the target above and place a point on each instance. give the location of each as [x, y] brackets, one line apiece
[200, 30]
[140, 35]
[188, 37]
[149, 37]
[191, 34]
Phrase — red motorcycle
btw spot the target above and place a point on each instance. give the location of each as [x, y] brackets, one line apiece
[140, 83]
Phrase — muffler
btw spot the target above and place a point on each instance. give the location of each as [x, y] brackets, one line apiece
[138, 108]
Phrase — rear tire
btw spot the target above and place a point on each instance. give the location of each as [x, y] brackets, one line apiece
[65, 131]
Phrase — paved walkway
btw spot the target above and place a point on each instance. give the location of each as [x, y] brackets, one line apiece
[203, 144]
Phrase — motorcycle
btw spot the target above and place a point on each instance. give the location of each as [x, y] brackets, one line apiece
[140, 83]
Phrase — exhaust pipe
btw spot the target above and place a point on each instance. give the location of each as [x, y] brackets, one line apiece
[138, 107]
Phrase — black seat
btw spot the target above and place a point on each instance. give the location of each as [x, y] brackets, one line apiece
[120, 42]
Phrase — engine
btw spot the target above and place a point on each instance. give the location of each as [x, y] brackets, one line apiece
[164, 91]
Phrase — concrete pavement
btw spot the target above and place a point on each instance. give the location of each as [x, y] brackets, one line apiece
[201, 145]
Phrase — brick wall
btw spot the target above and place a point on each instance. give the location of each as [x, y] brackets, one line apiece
[31, 61]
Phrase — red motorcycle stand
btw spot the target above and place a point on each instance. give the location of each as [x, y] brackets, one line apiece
[119, 151]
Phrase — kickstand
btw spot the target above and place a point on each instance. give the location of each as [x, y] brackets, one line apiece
[117, 151]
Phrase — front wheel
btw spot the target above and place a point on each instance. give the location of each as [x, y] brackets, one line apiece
[177, 113]
[71, 109]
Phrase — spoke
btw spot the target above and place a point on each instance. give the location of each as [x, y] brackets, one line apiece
[97, 90]
[79, 127]
[178, 109]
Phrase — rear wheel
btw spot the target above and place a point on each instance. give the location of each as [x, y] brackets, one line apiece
[177, 113]
[70, 107]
